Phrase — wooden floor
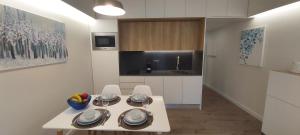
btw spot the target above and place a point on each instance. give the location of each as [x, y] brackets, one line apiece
[217, 117]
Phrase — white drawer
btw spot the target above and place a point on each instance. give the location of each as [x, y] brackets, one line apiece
[133, 79]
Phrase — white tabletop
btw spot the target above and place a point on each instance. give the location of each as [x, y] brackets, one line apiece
[157, 108]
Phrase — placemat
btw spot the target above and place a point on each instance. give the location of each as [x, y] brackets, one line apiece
[138, 104]
[136, 127]
[99, 103]
[103, 120]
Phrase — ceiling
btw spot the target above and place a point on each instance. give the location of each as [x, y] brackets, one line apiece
[86, 6]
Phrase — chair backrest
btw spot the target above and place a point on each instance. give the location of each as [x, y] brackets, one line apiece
[111, 89]
[142, 89]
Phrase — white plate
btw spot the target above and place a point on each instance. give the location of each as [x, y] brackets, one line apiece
[108, 97]
[87, 123]
[139, 97]
[135, 124]
[135, 116]
[89, 116]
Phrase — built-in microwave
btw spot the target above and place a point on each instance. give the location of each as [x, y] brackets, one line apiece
[105, 41]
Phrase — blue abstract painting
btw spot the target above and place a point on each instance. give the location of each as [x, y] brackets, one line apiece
[29, 40]
[252, 46]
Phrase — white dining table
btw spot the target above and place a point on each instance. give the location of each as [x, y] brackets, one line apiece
[160, 124]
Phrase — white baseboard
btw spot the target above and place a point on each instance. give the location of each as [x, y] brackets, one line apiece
[243, 107]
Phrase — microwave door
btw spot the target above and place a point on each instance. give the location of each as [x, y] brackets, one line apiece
[105, 41]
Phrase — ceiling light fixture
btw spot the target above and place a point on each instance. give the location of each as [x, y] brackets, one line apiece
[109, 7]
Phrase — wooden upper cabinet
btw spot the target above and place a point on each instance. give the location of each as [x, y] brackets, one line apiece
[132, 36]
[150, 35]
[171, 35]
[190, 36]
[154, 34]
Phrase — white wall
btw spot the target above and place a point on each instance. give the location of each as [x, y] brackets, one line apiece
[246, 85]
[31, 97]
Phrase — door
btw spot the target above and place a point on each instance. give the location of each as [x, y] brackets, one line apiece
[173, 90]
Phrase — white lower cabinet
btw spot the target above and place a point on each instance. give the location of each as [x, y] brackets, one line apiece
[173, 90]
[157, 85]
[192, 90]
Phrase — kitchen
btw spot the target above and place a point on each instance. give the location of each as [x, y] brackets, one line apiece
[189, 52]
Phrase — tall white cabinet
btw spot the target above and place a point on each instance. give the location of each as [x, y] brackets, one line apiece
[105, 63]
[282, 108]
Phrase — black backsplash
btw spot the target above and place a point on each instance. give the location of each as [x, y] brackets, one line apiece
[134, 62]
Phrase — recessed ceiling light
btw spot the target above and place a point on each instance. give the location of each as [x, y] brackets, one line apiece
[109, 7]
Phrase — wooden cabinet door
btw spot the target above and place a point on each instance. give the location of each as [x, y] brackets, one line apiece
[155, 8]
[154, 35]
[192, 90]
[190, 35]
[156, 84]
[171, 35]
[132, 36]
[173, 90]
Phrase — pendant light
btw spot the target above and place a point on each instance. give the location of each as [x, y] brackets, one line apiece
[109, 7]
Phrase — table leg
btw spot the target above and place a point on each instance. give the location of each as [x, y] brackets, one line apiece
[159, 133]
[60, 132]
[89, 132]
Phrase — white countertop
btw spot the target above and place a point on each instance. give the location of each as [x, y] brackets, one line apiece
[158, 109]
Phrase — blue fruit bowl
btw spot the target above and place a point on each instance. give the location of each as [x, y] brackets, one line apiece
[79, 106]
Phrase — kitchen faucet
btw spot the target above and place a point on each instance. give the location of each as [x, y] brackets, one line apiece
[178, 62]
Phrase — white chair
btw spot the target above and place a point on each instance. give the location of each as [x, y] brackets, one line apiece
[142, 89]
[111, 89]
